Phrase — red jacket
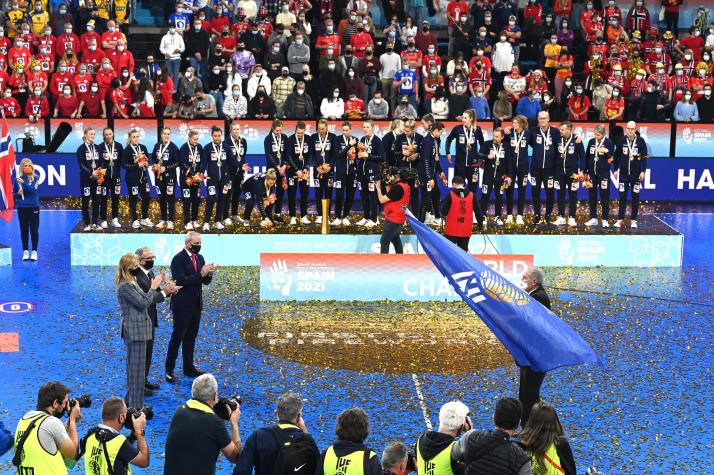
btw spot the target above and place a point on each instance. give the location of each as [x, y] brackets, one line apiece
[58, 82]
[10, 106]
[38, 106]
[122, 59]
[65, 42]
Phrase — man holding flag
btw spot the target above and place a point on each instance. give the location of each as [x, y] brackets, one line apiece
[7, 163]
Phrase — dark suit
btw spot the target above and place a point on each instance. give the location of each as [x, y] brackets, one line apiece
[186, 306]
[529, 388]
[144, 282]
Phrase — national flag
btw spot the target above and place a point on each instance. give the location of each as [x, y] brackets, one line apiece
[534, 335]
[7, 164]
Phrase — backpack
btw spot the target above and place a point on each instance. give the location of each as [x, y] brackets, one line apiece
[296, 456]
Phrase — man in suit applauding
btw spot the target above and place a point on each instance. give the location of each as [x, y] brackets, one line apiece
[146, 264]
[190, 271]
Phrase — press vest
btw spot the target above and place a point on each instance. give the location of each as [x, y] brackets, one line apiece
[440, 464]
[552, 463]
[393, 209]
[34, 458]
[350, 464]
[460, 220]
[95, 462]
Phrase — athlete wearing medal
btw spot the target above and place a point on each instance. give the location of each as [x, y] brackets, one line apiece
[469, 140]
[497, 172]
[165, 160]
[344, 150]
[323, 163]
[568, 170]
[300, 151]
[190, 179]
[371, 155]
[238, 147]
[90, 166]
[630, 166]
[599, 154]
[518, 141]
[218, 165]
[111, 152]
[274, 147]
[135, 159]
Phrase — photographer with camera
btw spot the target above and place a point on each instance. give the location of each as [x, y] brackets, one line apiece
[433, 448]
[348, 455]
[105, 450]
[395, 200]
[281, 449]
[197, 433]
[42, 443]
[396, 460]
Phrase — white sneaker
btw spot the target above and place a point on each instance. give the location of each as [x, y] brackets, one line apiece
[293, 221]
[509, 219]
[633, 224]
[170, 225]
[136, 224]
[196, 225]
[87, 228]
[188, 226]
[245, 222]
[104, 225]
[219, 225]
[572, 222]
[206, 227]
[591, 222]
[336, 222]
[116, 223]
[559, 221]
[26, 256]
[498, 221]
[474, 217]
[361, 222]
[346, 222]
[305, 220]
[161, 224]
[237, 220]
[147, 222]
[436, 221]
[370, 224]
[318, 220]
[428, 218]
[227, 221]
[618, 223]
[519, 220]
[605, 224]
[33, 256]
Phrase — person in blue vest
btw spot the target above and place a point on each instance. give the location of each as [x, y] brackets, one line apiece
[260, 192]
[218, 165]
[135, 160]
[459, 208]
[469, 139]
[568, 168]
[90, 165]
[371, 156]
[190, 179]
[322, 162]
[429, 174]
[544, 140]
[27, 202]
[497, 174]
[433, 448]
[164, 161]
[348, 455]
[630, 166]
[238, 147]
[406, 83]
[274, 146]
[300, 150]
[599, 154]
[344, 152]
[394, 198]
[407, 147]
[518, 140]
[111, 151]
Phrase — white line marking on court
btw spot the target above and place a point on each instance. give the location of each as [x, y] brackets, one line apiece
[420, 395]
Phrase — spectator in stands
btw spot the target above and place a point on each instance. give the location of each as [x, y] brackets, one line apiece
[92, 103]
[197, 44]
[171, 110]
[281, 88]
[440, 104]
[298, 56]
[187, 109]
[216, 86]
[243, 60]
[479, 103]
[67, 104]
[347, 60]
[615, 105]
[653, 104]
[298, 104]
[514, 84]
[369, 68]
[378, 108]
[671, 15]
[685, 110]
[390, 63]
[219, 56]
[551, 51]
[360, 40]
[543, 439]
[333, 107]
[408, 30]
[459, 38]
[258, 78]
[254, 41]
[10, 106]
[601, 93]
[352, 429]
[529, 107]
[205, 106]
[705, 105]
[236, 106]
[261, 106]
[405, 110]
[189, 84]
[579, 104]
[564, 69]
[565, 35]
[37, 106]
[354, 106]
[354, 82]
[549, 105]
[274, 60]
[458, 102]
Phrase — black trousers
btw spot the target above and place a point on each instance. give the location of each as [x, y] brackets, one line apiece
[93, 191]
[522, 182]
[462, 242]
[113, 188]
[218, 194]
[565, 185]
[167, 198]
[293, 186]
[603, 185]
[672, 20]
[323, 191]
[186, 324]
[345, 187]
[191, 199]
[390, 235]
[250, 203]
[150, 351]
[470, 174]
[529, 391]
[279, 195]
[29, 226]
[236, 189]
[493, 184]
[136, 191]
[430, 200]
[368, 193]
[543, 179]
[414, 205]
[631, 184]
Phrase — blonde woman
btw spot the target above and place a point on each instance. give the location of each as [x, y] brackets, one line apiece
[27, 202]
[136, 325]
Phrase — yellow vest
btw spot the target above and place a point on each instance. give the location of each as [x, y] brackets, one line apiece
[120, 10]
[34, 458]
[95, 462]
[39, 20]
[350, 464]
[552, 463]
[440, 464]
[15, 16]
[103, 9]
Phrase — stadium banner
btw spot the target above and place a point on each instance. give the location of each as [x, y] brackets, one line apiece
[658, 136]
[148, 132]
[255, 131]
[694, 140]
[411, 277]
[667, 179]
[72, 142]
[179, 130]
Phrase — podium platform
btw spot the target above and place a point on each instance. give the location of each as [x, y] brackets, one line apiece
[5, 255]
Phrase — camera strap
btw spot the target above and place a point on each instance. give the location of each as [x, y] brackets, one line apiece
[23, 439]
[101, 436]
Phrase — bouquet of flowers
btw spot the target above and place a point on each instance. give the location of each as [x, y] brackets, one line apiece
[269, 200]
[362, 150]
[156, 168]
[303, 175]
[99, 174]
[284, 183]
[408, 152]
[444, 181]
[195, 179]
[141, 160]
[506, 183]
[323, 170]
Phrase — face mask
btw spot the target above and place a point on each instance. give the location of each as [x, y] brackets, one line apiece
[336, 95]
[301, 19]
[680, 73]
[28, 170]
[353, 18]
[615, 93]
[487, 19]
[94, 89]
[405, 67]
[67, 92]
[546, 98]
[276, 50]
[298, 41]
[63, 69]
[578, 91]
[618, 73]
[121, 47]
[351, 74]
[590, 7]
[482, 34]
[228, 69]
[219, 12]
[105, 65]
[216, 71]
[68, 31]
[658, 50]
[195, 248]
[433, 72]
[431, 50]
[554, 40]
[707, 92]
[37, 69]
[639, 4]
[188, 74]
[459, 89]
[148, 265]
[479, 94]
[63, 12]
[8, 94]
[330, 28]
[639, 77]
[660, 71]
[511, 22]
[125, 75]
[134, 272]
[92, 48]
[37, 93]
[236, 93]
[111, 29]
[687, 96]
[301, 92]
[702, 73]
[464, 19]
[688, 57]
[331, 67]
[179, 10]
[197, 27]
[369, 52]
[172, 31]
[330, 52]
[20, 71]
[377, 100]
[650, 89]
[82, 72]
[705, 58]
[503, 38]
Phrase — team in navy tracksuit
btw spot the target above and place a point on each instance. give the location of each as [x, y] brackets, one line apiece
[111, 153]
[568, 163]
[544, 142]
[300, 150]
[599, 154]
[275, 149]
[631, 164]
[369, 170]
[166, 156]
[190, 166]
[137, 178]
[518, 141]
[238, 147]
[469, 140]
[322, 142]
[257, 189]
[89, 160]
[218, 165]
[496, 157]
[407, 147]
[429, 167]
[345, 172]
[27, 203]
[389, 143]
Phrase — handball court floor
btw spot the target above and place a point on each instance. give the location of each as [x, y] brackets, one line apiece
[647, 410]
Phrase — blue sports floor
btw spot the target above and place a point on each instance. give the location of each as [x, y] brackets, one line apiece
[647, 411]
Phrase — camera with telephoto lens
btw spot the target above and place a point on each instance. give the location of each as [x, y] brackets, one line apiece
[221, 407]
[133, 412]
[389, 176]
[83, 401]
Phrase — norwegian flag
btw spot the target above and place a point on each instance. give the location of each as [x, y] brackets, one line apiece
[7, 163]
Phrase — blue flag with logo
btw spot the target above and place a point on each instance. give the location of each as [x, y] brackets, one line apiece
[534, 335]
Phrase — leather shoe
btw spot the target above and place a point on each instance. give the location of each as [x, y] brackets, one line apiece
[193, 373]
[170, 377]
[148, 392]
[149, 385]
